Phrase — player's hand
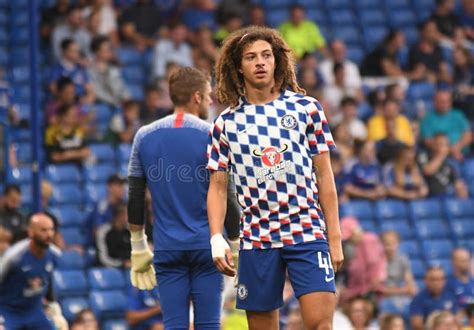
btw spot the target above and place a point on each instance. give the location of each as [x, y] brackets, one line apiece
[337, 257]
[222, 255]
[53, 310]
[142, 273]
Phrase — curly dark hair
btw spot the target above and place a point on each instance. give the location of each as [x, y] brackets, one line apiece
[230, 82]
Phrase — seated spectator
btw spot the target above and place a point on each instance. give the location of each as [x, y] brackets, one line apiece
[377, 124]
[72, 28]
[365, 177]
[69, 66]
[5, 239]
[113, 239]
[345, 144]
[425, 59]
[302, 35]
[203, 44]
[435, 297]
[256, 15]
[46, 193]
[388, 147]
[107, 79]
[383, 61]
[441, 320]
[397, 93]
[336, 91]
[85, 320]
[403, 177]
[310, 76]
[338, 54]
[399, 287]
[154, 106]
[122, 127]
[392, 322]
[66, 94]
[139, 24]
[232, 22]
[337, 166]
[107, 19]
[367, 265]
[348, 115]
[466, 19]
[174, 49]
[360, 312]
[440, 175]
[51, 17]
[445, 19]
[11, 219]
[143, 309]
[449, 122]
[65, 140]
[461, 282]
[463, 81]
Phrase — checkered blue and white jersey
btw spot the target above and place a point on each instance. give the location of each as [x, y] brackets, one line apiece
[269, 149]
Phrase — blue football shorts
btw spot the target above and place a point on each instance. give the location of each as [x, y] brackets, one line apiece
[32, 319]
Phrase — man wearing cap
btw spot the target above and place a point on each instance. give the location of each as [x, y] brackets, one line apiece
[367, 266]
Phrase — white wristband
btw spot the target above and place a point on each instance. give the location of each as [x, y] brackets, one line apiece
[218, 246]
[138, 240]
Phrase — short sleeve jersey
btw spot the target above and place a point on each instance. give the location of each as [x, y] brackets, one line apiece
[269, 149]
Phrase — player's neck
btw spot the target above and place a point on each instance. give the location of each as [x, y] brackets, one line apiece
[261, 96]
[189, 110]
[36, 250]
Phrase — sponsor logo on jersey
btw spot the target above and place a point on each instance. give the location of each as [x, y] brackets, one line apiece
[272, 160]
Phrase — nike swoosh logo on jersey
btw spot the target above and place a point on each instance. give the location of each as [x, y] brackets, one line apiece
[328, 279]
[245, 129]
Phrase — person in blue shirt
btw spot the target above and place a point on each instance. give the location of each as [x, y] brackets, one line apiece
[435, 297]
[169, 157]
[461, 281]
[144, 309]
[26, 271]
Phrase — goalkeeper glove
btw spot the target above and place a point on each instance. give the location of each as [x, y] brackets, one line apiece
[53, 310]
[142, 272]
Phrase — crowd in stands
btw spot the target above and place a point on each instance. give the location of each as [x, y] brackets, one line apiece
[402, 116]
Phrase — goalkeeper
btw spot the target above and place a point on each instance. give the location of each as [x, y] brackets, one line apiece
[169, 157]
[26, 271]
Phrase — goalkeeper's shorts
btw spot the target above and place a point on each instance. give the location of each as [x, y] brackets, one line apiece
[262, 274]
[30, 319]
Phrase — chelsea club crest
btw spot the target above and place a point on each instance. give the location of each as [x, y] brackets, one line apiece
[288, 121]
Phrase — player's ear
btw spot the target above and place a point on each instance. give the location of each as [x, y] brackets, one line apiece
[197, 97]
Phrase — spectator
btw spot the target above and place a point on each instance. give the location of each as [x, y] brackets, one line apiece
[85, 320]
[470, 317]
[231, 23]
[440, 175]
[70, 67]
[154, 107]
[435, 297]
[352, 77]
[400, 286]
[383, 61]
[348, 115]
[46, 193]
[107, 19]
[5, 239]
[445, 19]
[365, 176]
[65, 140]
[463, 81]
[335, 92]
[66, 94]
[403, 177]
[256, 15]
[425, 58]
[51, 17]
[345, 144]
[367, 265]
[139, 24]
[107, 78]
[360, 312]
[391, 111]
[310, 76]
[11, 218]
[203, 44]
[174, 49]
[337, 166]
[461, 282]
[143, 309]
[303, 36]
[113, 239]
[447, 121]
[441, 320]
[466, 18]
[388, 147]
[73, 28]
[392, 322]
[122, 127]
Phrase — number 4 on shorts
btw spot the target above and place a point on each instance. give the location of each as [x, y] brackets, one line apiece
[325, 262]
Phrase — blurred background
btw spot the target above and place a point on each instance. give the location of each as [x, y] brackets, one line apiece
[395, 77]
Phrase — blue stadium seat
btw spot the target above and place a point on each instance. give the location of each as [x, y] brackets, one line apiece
[21, 174]
[124, 152]
[63, 173]
[73, 236]
[69, 283]
[390, 209]
[368, 4]
[71, 260]
[418, 268]
[72, 306]
[108, 304]
[369, 225]
[104, 113]
[123, 171]
[67, 193]
[20, 74]
[392, 4]
[373, 36]
[425, 209]
[19, 37]
[446, 264]
[106, 279]
[276, 17]
[129, 56]
[420, 90]
[423, 9]
[3, 55]
[342, 17]
[358, 209]
[96, 192]
[432, 229]
[317, 15]
[372, 17]
[99, 173]
[463, 229]
[401, 18]
[104, 153]
[399, 225]
[134, 74]
[411, 34]
[410, 248]
[195, 18]
[136, 91]
[115, 325]
[467, 244]
[349, 34]
[437, 249]
[459, 208]
[339, 4]
[279, 4]
[468, 170]
[69, 216]
[355, 53]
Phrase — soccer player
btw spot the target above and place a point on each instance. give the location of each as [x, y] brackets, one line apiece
[275, 141]
[26, 271]
[169, 156]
